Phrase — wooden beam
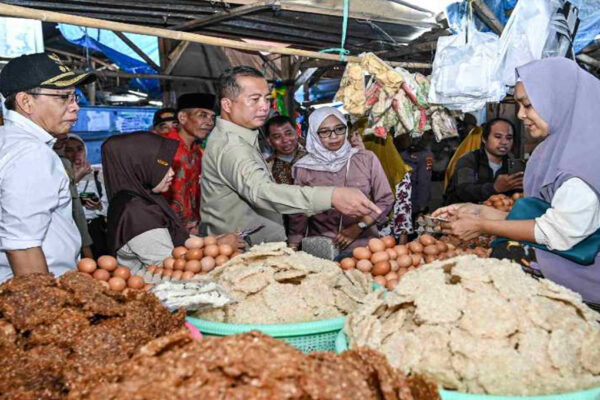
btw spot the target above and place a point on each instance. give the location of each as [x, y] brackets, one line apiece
[411, 49]
[155, 76]
[271, 65]
[227, 14]
[584, 58]
[80, 57]
[175, 56]
[138, 51]
[50, 16]
[483, 11]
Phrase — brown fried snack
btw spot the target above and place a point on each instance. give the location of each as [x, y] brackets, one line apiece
[55, 331]
[250, 366]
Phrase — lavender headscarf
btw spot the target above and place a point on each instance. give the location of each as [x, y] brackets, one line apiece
[318, 157]
[568, 99]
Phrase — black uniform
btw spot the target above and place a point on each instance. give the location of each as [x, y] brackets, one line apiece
[473, 179]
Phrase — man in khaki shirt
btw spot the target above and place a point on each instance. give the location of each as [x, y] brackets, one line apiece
[238, 191]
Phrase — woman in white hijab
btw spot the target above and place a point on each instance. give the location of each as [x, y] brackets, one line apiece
[332, 161]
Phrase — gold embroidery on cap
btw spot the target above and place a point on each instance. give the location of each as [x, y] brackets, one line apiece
[57, 77]
[67, 82]
[162, 162]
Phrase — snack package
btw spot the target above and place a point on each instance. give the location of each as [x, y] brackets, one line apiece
[352, 90]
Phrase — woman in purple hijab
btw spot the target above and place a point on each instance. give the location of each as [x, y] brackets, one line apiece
[560, 103]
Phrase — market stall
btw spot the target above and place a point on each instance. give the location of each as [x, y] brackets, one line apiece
[432, 318]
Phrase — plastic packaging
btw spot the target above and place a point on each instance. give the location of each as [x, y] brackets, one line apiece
[191, 295]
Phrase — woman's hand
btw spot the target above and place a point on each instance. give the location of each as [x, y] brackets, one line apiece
[465, 227]
[91, 204]
[454, 210]
[347, 236]
[233, 240]
[81, 170]
[294, 246]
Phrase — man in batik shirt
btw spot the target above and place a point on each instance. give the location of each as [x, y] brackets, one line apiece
[283, 138]
[195, 113]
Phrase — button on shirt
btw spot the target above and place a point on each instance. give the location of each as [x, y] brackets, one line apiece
[35, 200]
[184, 194]
[238, 191]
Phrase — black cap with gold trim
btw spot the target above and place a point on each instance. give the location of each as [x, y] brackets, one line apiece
[39, 70]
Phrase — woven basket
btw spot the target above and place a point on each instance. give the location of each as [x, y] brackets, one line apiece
[305, 336]
[341, 345]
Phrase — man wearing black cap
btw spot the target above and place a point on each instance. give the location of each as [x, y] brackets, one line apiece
[196, 119]
[165, 120]
[37, 231]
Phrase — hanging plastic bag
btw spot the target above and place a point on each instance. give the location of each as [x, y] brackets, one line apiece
[523, 37]
[463, 75]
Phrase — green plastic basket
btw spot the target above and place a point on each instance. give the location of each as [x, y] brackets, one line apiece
[341, 345]
[305, 336]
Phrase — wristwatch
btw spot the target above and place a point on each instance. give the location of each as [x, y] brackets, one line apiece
[362, 225]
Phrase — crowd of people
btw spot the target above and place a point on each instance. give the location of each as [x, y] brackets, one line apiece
[202, 171]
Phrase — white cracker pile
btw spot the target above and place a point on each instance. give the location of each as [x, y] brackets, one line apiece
[276, 285]
[483, 326]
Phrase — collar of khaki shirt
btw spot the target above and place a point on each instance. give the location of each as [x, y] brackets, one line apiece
[30, 127]
[248, 135]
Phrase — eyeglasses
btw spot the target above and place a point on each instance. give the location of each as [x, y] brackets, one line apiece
[326, 133]
[67, 98]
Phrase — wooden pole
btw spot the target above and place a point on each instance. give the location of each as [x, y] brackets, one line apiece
[51, 16]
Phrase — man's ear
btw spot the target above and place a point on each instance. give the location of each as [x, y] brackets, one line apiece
[226, 104]
[182, 117]
[24, 102]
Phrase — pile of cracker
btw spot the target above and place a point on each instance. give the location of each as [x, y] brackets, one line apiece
[483, 326]
[275, 285]
[249, 366]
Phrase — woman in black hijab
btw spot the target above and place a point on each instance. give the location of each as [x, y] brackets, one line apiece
[142, 228]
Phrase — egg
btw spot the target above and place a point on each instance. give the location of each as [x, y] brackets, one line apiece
[379, 256]
[193, 266]
[221, 259]
[431, 250]
[417, 259]
[179, 252]
[117, 284]
[405, 261]
[209, 240]
[401, 250]
[179, 264]
[136, 282]
[394, 265]
[450, 246]
[167, 273]
[108, 263]
[151, 268]
[347, 263]
[208, 263]
[442, 247]
[194, 254]
[148, 286]
[388, 241]
[212, 250]
[392, 253]
[364, 265]
[86, 265]
[159, 271]
[168, 263]
[391, 275]
[235, 254]
[104, 284]
[381, 268]
[426, 240]
[101, 275]
[187, 275]
[376, 245]
[451, 253]
[122, 272]
[194, 243]
[380, 280]
[176, 275]
[415, 247]
[391, 284]
[402, 271]
[429, 258]
[361, 253]
[225, 249]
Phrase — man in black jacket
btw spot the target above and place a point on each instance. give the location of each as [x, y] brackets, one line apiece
[483, 172]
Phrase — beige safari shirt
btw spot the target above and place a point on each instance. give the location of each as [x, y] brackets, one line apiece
[238, 191]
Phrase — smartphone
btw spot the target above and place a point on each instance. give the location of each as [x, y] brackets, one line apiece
[88, 195]
[515, 165]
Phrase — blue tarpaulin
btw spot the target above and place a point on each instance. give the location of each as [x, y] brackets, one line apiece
[119, 52]
[589, 14]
